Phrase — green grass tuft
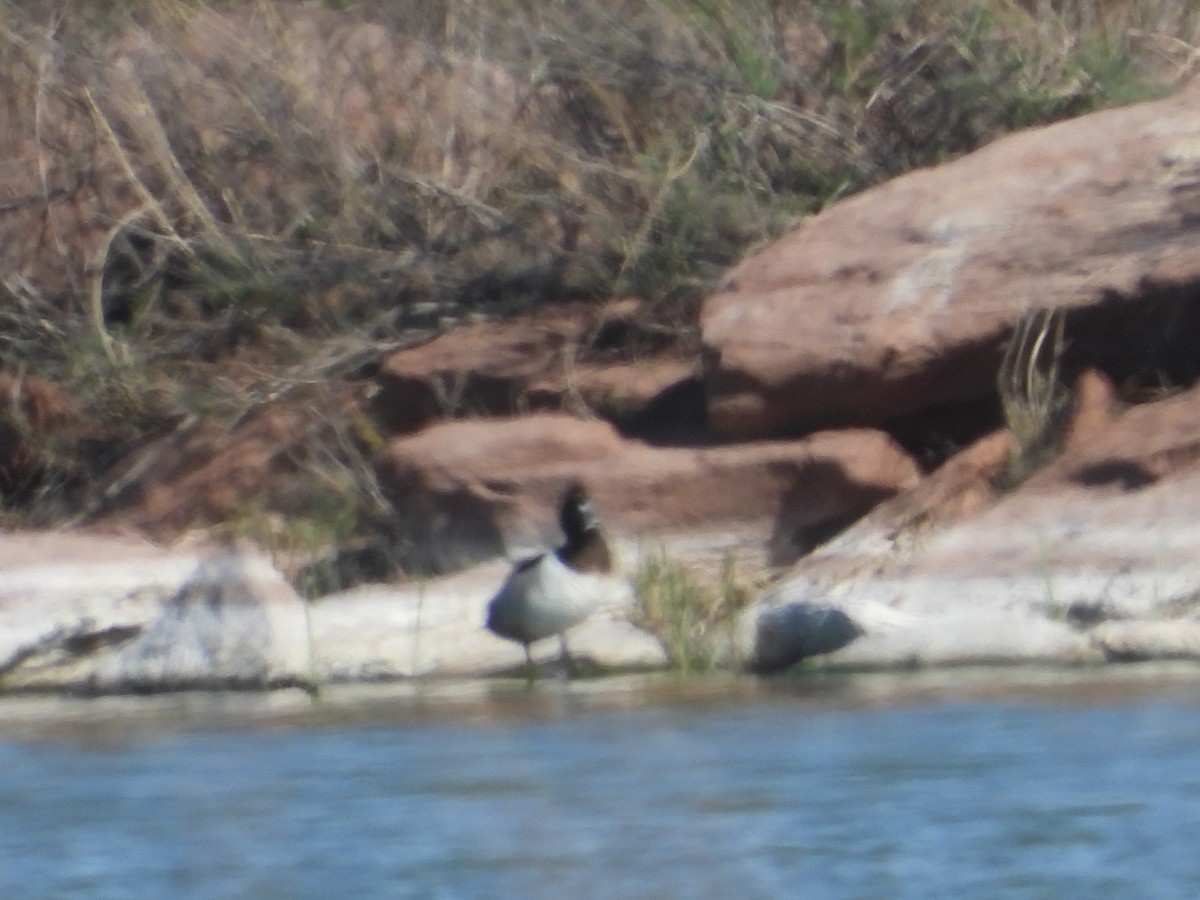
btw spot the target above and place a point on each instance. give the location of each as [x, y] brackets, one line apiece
[692, 618]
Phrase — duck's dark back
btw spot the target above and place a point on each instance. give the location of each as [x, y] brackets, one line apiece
[589, 553]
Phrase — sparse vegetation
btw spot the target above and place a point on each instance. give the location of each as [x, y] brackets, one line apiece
[211, 207]
[1032, 392]
[690, 615]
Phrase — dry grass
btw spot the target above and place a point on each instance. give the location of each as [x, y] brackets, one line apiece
[1032, 393]
[209, 207]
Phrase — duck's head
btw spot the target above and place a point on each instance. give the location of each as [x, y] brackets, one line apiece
[576, 514]
[586, 548]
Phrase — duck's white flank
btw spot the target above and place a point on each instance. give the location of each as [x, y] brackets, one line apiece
[545, 597]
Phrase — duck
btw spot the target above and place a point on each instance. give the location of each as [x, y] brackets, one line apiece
[552, 592]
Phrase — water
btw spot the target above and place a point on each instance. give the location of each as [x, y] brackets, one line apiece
[749, 794]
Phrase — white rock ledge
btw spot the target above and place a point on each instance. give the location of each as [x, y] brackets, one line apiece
[96, 614]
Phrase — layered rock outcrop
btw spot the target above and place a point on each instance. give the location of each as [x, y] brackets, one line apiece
[879, 325]
[1093, 558]
[592, 362]
[475, 489]
[901, 299]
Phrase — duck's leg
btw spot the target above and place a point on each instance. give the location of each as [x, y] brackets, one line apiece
[530, 669]
[565, 655]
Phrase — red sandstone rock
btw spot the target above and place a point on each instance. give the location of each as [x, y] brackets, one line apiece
[474, 489]
[1093, 409]
[577, 358]
[1091, 558]
[964, 485]
[900, 299]
[482, 369]
[1141, 445]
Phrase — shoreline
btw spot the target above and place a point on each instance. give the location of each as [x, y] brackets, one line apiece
[118, 720]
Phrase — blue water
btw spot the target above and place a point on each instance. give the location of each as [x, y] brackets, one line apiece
[770, 798]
